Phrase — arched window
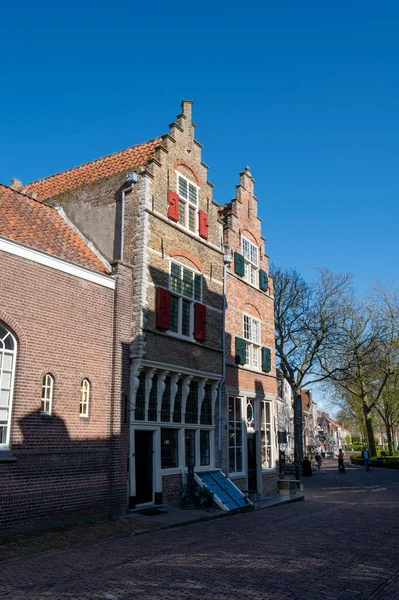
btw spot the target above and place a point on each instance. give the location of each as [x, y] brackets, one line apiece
[8, 354]
[47, 393]
[84, 398]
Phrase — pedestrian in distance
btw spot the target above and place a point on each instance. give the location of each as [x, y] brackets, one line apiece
[366, 458]
[306, 467]
[318, 461]
[341, 466]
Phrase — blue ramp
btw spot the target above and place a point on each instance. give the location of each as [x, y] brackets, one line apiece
[226, 494]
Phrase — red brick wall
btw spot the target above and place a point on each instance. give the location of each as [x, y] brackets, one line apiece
[64, 325]
[171, 488]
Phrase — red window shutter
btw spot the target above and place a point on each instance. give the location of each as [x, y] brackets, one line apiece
[203, 224]
[173, 205]
[199, 322]
[163, 308]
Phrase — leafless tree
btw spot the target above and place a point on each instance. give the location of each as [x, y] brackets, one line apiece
[306, 324]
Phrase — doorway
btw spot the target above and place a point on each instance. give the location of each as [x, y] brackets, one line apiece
[144, 453]
[251, 464]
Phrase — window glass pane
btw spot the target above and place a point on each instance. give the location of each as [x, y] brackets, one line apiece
[3, 428]
[248, 354]
[191, 218]
[8, 342]
[185, 326]
[6, 380]
[246, 328]
[187, 283]
[182, 185]
[198, 287]
[174, 313]
[152, 403]
[182, 213]
[254, 254]
[192, 193]
[253, 275]
[255, 357]
[238, 409]
[165, 405]
[4, 397]
[245, 249]
[192, 403]
[169, 448]
[206, 408]
[205, 448]
[7, 361]
[140, 399]
[239, 459]
[189, 439]
[3, 415]
[175, 278]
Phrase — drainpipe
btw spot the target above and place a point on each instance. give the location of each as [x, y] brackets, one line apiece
[133, 177]
[226, 261]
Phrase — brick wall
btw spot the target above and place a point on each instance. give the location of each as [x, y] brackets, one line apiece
[64, 326]
[171, 488]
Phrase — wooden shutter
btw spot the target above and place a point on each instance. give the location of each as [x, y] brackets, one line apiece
[263, 280]
[266, 360]
[203, 224]
[240, 351]
[239, 264]
[163, 308]
[173, 205]
[199, 322]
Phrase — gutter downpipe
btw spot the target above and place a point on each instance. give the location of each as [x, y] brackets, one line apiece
[227, 261]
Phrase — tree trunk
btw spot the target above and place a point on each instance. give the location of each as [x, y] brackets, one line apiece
[370, 432]
[298, 454]
[390, 441]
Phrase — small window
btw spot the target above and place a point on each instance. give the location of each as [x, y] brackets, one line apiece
[189, 442]
[188, 203]
[186, 288]
[169, 448]
[235, 435]
[47, 394]
[84, 398]
[252, 338]
[8, 353]
[250, 253]
[205, 448]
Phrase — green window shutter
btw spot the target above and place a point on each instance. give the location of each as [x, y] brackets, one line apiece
[240, 351]
[263, 280]
[239, 264]
[266, 360]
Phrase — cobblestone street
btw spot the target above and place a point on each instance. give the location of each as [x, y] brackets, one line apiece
[341, 543]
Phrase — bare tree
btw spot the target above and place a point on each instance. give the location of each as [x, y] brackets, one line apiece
[306, 322]
[361, 359]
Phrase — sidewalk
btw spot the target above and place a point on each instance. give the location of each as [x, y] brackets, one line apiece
[136, 523]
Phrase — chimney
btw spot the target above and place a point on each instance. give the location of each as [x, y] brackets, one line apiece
[187, 123]
[16, 184]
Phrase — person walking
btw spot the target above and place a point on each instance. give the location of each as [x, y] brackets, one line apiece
[318, 461]
[366, 458]
[341, 466]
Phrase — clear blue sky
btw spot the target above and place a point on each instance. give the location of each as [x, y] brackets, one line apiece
[306, 93]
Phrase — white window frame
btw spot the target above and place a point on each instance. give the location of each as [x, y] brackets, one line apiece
[181, 297]
[47, 394]
[182, 467]
[5, 445]
[263, 427]
[252, 337]
[250, 253]
[187, 204]
[243, 435]
[84, 397]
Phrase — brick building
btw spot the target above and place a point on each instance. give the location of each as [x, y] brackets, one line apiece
[250, 389]
[60, 420]
[149, 210]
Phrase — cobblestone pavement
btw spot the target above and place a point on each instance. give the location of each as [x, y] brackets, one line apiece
[341, 543]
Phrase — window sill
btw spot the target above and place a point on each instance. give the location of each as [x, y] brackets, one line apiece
[180, 336]
[84, 417]
[6, 456]
[236, 475]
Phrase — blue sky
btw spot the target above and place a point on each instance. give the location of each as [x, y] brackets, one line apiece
[306, 93]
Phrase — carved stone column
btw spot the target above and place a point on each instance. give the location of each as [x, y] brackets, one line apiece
[161, 385]
[148, 385]
[186, 390]
[135, 368]
[201, 396]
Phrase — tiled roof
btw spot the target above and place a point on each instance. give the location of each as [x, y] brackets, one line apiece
[41, 227]
[131, 158]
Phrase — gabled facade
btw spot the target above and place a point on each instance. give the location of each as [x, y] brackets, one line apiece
[250, 386]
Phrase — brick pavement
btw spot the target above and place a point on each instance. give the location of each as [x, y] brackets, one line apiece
[340, 544]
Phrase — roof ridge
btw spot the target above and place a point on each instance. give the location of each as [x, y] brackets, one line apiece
[25, 194]
[91, 161]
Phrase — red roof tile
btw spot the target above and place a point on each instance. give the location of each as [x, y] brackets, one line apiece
[133, 157]
[41, 227]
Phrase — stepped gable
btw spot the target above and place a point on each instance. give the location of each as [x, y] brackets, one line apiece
[72, 179]
[41, 227]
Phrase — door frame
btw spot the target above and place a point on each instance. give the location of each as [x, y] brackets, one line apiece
[156, 462]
